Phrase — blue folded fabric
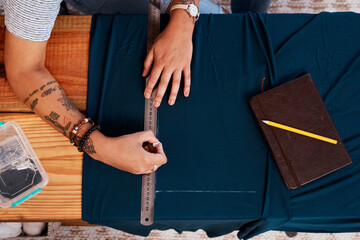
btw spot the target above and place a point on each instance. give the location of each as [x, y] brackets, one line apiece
[220, 176]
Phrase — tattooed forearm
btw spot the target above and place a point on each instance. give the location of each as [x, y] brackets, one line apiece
[66, 102]
[26, 99]
[30, 95]
[77, 139]
[47, 84]
[53, 117]
[33, 104]
[88, 146]
[37, 90]
[66, 120]
[48, 91]
[67, 126]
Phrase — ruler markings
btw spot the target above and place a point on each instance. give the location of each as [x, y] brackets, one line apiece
[150, 121]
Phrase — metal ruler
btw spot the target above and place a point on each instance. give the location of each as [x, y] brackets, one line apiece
[150, 121]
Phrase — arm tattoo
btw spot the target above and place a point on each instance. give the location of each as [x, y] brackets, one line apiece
[37, 90]
[88, 146]
[53, 117]
[26, 99]
[33, 104]
[47, 84]
[66, 102]
[49, 91]
[66, 120]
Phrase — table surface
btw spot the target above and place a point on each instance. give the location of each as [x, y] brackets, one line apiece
[67, 59]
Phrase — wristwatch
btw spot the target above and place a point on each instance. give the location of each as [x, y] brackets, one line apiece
[192, 9]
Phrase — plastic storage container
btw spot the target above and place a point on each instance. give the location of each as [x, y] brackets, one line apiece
[21, 173]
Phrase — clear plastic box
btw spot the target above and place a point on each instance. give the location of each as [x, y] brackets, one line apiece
[21, 173]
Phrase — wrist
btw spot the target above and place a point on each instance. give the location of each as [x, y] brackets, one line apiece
[182, 21]
[92, 140]
[82, 130]
[96, 144]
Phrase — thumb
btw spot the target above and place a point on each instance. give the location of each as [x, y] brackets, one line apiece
[159, 147]
[158, 157]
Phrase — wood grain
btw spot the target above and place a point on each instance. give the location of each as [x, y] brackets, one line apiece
[67, 58]
[60, 200]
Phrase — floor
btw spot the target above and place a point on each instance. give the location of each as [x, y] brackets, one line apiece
[104, 233]
[313, 6]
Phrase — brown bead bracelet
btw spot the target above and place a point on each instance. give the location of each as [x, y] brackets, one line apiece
[76, 128]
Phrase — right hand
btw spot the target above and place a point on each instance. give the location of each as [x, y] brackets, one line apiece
[127, 153]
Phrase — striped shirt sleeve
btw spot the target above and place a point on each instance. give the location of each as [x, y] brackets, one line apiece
[31, 20]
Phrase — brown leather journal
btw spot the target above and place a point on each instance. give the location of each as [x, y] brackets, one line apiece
[300, 159]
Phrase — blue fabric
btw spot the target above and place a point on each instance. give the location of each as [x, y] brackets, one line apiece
[220, 176]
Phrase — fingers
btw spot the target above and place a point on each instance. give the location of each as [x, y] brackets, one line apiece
[148, 62]
[159, 147]
[154, 157]
[187, 81]
[164, 81]
[156, 160]
[175, 87]
[154, 76]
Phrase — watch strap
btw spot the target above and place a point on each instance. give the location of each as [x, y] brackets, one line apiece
[186, 8]
[179, 6]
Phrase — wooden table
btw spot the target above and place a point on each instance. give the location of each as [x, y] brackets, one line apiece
[67, 59]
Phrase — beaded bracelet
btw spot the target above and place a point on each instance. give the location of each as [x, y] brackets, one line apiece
[86, 136]
[76, 128]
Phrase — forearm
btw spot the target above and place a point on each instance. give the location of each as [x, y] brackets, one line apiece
[39, 90]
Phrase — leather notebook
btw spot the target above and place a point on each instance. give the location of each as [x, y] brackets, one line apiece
[300, 159]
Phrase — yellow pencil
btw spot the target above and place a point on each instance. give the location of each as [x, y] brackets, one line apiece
[298, 131]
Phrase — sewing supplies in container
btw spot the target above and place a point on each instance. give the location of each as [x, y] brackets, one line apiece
[21, 173]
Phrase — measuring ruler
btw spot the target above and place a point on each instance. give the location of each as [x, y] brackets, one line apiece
[150, 121]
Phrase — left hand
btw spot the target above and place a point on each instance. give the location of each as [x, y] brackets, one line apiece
[170, 56]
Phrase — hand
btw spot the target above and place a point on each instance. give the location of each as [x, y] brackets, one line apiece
[127, 153]
[170, 56]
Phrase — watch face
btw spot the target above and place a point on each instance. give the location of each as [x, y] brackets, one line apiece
[193, 10]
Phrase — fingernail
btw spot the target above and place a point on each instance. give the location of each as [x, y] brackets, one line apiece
[147, 95]
[156, 104]
[155, 144]
[187, 93]
[171, 102]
